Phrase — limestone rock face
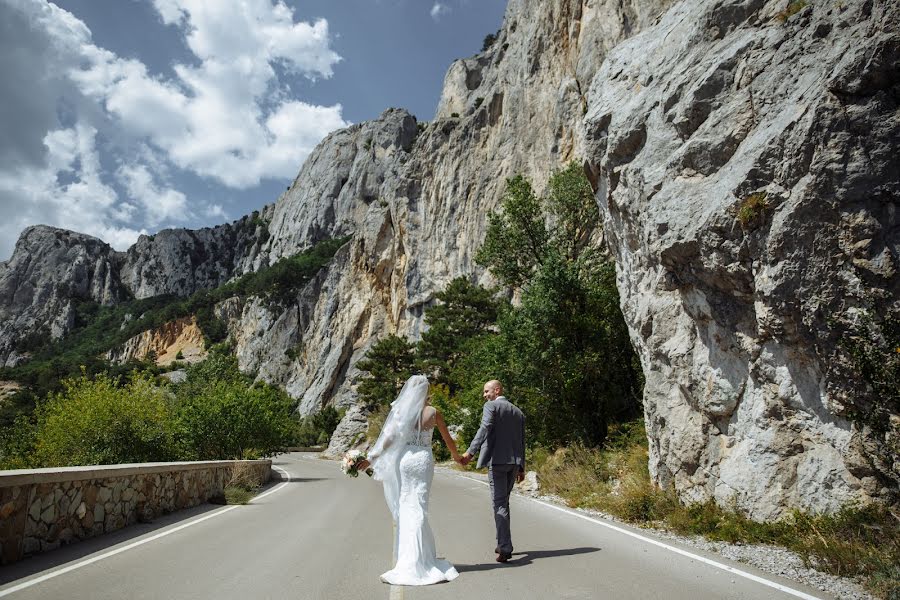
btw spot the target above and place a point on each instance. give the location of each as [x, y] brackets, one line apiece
[182, 335]
[415, 196]
[49, 272]
[738, 314]
[182, 261]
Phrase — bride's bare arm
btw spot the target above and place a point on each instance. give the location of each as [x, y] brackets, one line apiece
[442, 427]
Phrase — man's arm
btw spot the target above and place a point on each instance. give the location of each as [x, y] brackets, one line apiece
[487, 423]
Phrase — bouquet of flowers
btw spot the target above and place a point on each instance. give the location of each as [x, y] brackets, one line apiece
[351, 461]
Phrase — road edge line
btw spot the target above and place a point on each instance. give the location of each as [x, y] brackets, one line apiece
[89, 561]
[675, 549]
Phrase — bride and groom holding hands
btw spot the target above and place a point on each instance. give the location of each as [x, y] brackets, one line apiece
[402, 460]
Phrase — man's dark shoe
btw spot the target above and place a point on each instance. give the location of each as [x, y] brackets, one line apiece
[502, 557]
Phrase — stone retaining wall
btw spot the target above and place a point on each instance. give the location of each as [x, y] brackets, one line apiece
[41, 509]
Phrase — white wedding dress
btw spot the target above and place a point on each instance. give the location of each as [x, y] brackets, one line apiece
[417, 562]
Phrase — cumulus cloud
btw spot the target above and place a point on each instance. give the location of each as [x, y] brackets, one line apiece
[227, 114]
[161, 204]
[216, 119]
[439, 10]
[68, 192]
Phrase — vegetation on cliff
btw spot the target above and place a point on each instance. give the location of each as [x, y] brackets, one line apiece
[562, 352]
[101, 328]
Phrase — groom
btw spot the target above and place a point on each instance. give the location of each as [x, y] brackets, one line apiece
[500, 443]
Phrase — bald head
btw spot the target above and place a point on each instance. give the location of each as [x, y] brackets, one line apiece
[492, 389]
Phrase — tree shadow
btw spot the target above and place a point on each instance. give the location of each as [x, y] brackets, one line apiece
[520, 559]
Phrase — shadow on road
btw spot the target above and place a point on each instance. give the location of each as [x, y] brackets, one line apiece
[78, 550]
[521, 559]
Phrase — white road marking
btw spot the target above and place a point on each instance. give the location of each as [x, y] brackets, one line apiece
[99, 557]
[675, 549]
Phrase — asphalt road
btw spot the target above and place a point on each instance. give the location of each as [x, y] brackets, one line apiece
[324, 536]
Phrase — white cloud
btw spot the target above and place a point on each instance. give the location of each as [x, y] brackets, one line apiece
[213, 117]
[215, 211]
[439, 10]
[160, 204]
[68, 192]
[225, 114]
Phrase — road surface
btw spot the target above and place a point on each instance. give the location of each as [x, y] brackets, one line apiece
[321, 535]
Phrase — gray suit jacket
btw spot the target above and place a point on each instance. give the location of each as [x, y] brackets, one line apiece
[501, 438]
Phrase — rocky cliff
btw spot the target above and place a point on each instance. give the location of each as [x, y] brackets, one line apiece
[52, 270]
[746, 166]
[742, 164]
[416, 195]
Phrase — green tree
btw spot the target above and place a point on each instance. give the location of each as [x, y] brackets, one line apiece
[222, 415]
[564, 352]
[388, 363]
[98, 421]
[464, 310]
[516, 240]
[318, 426]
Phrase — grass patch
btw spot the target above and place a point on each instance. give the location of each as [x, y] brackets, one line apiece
[753, 209]
[860, 542]
[238, 495]
[242, 485]
[792, 9]
[376, 422]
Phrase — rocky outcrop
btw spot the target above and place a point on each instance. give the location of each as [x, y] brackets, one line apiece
[50, 271]
[182, 261]
[416, 195]
[746, 169]
[164, 343]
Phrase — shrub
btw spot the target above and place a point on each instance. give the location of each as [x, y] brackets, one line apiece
[98, 421]
[220, 415]
[489, 40]
[752, 210]
[316, 429]
[376, 422]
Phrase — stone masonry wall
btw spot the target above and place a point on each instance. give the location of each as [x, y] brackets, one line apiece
[41, 509]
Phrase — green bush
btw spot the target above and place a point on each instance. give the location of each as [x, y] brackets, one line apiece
[222, 415]
[317, 428]
[98, 421]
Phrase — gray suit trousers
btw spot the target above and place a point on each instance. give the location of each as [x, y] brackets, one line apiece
[502, 478]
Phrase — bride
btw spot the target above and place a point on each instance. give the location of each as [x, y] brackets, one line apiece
[403, 462]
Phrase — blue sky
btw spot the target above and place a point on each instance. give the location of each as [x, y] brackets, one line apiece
[122, 117]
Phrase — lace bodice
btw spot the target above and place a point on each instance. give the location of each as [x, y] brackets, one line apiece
[421, 438]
